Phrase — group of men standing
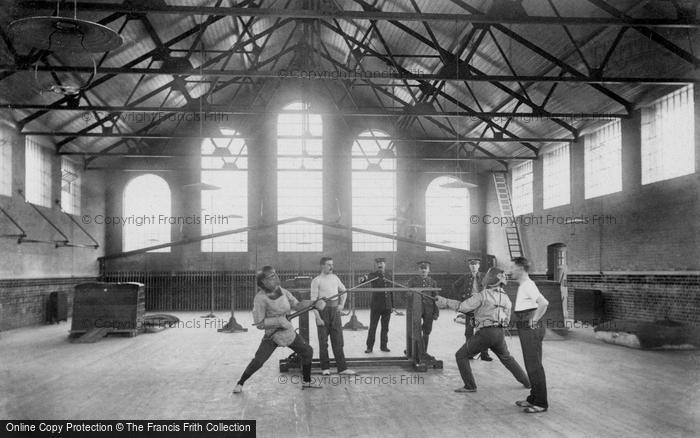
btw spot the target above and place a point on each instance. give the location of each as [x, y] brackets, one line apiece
[382, 304]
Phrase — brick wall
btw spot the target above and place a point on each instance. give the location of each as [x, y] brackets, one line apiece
[647, 297]
[24, 302]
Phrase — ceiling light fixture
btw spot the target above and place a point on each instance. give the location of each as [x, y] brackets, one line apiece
[56, 33]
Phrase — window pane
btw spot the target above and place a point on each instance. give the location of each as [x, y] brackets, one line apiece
[556, 177]
[5, 161]
[374, 192]
[37, 173]
[522, 188]
[602, 151]
[446, 214]
[231, 151]
[668, 137]
[146, 213]
[226, 208]
[299, 180]
[71, 186]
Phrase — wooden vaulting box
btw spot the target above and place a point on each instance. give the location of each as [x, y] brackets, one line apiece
[116, 307]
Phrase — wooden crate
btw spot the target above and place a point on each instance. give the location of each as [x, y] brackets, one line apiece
[117, 307]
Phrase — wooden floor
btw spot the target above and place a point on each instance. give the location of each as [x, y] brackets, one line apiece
[595, 389]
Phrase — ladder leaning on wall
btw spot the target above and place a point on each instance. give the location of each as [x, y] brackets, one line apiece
[515, 246]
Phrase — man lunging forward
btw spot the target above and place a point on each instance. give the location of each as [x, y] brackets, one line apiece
[492, 310]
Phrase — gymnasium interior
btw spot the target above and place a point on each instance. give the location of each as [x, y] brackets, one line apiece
[155, 155]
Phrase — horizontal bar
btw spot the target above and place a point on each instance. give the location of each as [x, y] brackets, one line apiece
[283, 222]
[397, 289]
[215, 113]
[413, 172]
[131, 155]
[76, 245]
[50, 242]
[310, 14]
[381, 76]
[392, 139]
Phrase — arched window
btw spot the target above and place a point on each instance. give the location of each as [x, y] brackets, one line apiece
[374, 191]
[225, 165]
[146, 213]
[299, 179]
[447, 213]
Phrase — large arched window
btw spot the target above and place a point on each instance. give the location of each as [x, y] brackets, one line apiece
[225, 165]
[146, 213]
[299, 179]
[447, 213]
[374, 191]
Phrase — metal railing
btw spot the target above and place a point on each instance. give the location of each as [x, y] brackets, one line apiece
[190, 290]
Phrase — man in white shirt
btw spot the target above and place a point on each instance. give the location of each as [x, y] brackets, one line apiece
[327, 285]
[530, 307]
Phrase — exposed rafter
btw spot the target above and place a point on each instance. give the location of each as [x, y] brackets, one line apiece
[156, 136]
[463, 91]
[213, 111]
[326, 14]
[469, 75]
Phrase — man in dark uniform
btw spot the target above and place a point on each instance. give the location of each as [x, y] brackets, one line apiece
[463, 289]
[430, 310]
[381, 306]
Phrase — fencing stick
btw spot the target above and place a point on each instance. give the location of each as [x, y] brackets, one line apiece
[313, 306]
[413, 289]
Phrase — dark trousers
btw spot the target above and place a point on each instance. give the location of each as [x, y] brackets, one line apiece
[493, 338]
[531, 343]
[374, 318]
[268, 346]
[427, 323]
[332, 326]
[469, 333]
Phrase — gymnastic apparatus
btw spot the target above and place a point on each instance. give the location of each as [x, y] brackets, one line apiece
[414, 354]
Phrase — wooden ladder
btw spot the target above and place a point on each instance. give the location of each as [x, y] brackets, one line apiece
[515, 246]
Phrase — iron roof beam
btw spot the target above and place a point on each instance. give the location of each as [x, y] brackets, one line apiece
[310, 14]
[157, 91]
[381, 76]
[446, 96]
[649, 33]
[155, 136]
[216, 110]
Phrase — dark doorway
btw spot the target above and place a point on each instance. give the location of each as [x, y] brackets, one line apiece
[556, 261]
